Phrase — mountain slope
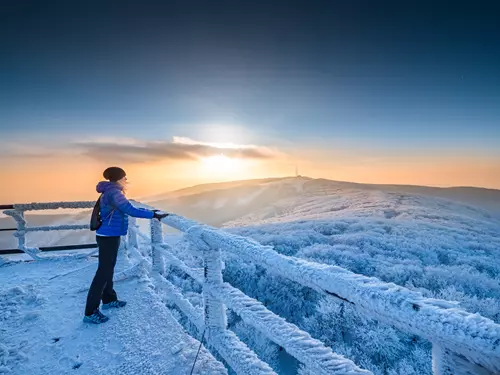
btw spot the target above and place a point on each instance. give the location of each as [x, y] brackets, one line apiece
[218, 206]
[253, 201]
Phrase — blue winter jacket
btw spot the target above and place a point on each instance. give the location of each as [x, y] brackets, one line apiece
[115, 209]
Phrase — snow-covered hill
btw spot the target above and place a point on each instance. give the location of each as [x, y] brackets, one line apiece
[323, 200]
[298, 198]
[216, 204]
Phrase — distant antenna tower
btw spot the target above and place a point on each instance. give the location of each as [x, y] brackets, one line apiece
[296, 170]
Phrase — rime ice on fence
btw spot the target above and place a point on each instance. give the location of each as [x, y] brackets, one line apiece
[53, 205]
[156, 240]
[133, 228]
[18, 215]
[195, 273]
[173, 294]
[241, 359]
[236, 353]
[296, 342]
[475, 338]
[215, 311]
[470, 335]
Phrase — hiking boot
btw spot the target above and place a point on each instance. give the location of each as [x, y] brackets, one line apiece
[96, 318]
[114, 304]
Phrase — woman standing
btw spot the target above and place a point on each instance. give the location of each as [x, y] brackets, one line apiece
[115, 209]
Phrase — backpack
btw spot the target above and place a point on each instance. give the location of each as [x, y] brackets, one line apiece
[95, 218]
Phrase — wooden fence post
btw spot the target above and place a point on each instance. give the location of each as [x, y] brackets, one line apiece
[132, 232]
[215, 311]
[20, 233]
[122, 260]
[18, 216]
[156, 240]
[21, 226]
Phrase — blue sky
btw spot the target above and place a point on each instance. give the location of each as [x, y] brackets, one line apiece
[325, 69]
[388, 76]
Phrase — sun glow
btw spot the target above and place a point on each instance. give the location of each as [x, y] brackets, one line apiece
[221, 164]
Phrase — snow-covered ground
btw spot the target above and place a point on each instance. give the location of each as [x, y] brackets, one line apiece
[41, 328]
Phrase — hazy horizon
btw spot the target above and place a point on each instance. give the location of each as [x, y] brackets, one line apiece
[133, 193]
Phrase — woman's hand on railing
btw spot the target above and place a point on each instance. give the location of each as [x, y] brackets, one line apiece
[159, 215]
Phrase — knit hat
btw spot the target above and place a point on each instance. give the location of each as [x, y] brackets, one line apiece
[114, 174]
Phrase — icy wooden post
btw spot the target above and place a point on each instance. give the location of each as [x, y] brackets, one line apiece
[156, 240]
[134, 254]
[21, 226]
[132, 232]
[18, 216]
[215, 311]
[445, 362]
[122, 258]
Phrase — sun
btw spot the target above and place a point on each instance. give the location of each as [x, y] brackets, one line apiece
[220, 164]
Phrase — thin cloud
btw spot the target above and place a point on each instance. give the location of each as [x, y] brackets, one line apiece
[21, 151]
[28, 155]
[178, 149]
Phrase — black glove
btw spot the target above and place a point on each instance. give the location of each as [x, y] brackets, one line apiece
[158, 216]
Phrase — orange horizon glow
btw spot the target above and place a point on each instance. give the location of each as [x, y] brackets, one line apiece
[60, 179]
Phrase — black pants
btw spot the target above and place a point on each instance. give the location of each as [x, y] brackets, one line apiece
[102, 285]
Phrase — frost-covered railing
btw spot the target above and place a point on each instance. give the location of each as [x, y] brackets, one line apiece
[463, 343]
[22, 229]
[212, 320]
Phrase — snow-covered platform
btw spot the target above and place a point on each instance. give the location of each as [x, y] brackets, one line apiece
[41, 328]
